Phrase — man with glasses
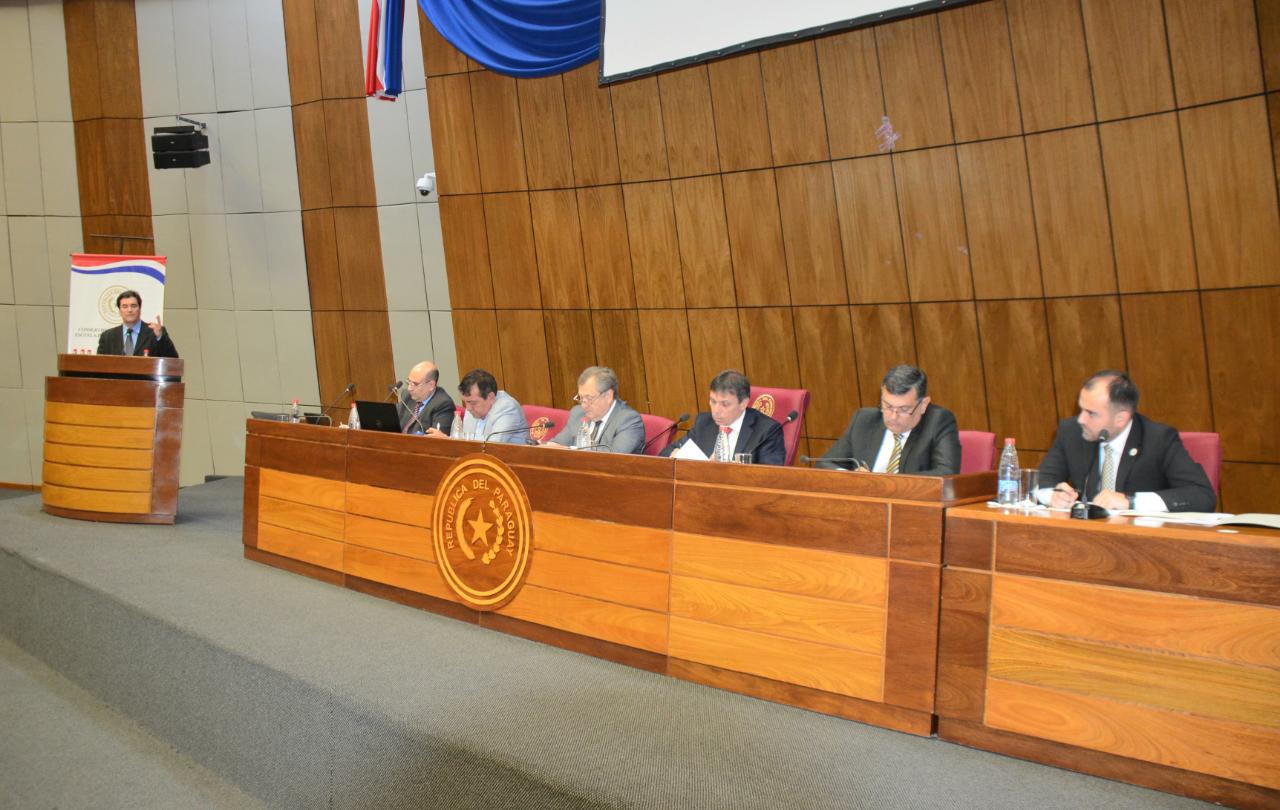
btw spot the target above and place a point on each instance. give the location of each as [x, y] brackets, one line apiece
[906, 434]
[612, 426]
[489, 413]
[427, 405]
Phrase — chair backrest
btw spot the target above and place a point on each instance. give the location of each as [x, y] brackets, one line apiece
[977, 451]
[539, 416]
[1206, 450]
[777, 403]
[655, 426]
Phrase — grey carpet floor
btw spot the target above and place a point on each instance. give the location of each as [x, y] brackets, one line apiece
[608, 734]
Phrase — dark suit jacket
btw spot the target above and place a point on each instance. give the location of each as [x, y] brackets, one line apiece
[111, 341]
[1153, 460]
[440, 410]
[933, 448]
[760, 436]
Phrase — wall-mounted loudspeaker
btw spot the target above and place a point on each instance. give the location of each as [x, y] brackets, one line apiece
[179, 148]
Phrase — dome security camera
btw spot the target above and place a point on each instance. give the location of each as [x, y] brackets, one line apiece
[426, 184]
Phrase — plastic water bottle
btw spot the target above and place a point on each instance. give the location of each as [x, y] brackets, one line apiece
[584, 434]
[353, 419]
[295, 415]
[1007, 477]
[455, 432]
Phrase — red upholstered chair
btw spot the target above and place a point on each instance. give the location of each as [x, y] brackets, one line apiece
[977, 451]
[1206, 450]
[654, 427]
[539, 415]
[777, 403]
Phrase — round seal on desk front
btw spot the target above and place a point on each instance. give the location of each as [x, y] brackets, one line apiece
[482, 531]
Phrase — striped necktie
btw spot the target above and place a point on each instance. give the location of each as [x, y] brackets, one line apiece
[895, 458]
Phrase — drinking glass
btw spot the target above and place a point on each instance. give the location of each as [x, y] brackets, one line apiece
[1028, 483]
[741, 458]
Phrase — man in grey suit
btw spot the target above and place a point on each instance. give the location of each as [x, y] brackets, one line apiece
[489, 413]
[427, 405]
[906, 434]
[611, 425]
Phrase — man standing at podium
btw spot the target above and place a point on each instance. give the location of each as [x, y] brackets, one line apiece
[134, 337]
[906, 434]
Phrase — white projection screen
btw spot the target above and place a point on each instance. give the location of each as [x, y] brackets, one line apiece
[645, 36]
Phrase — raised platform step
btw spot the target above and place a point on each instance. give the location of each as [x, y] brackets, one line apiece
[306, 695]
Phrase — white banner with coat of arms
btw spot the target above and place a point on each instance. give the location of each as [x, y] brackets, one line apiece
[96, 280]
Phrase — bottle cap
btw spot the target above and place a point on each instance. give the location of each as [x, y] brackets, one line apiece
[1009, 440]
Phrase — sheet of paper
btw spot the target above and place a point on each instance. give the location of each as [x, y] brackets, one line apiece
[690, 451]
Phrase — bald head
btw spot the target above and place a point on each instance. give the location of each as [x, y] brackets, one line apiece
[422, 380]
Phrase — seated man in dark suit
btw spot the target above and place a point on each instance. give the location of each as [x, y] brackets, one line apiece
[906, 434]
[131, 338]
[740, 428]
[1125, 460]
[612, 425]
[427, 405]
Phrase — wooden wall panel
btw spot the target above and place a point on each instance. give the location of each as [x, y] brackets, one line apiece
[453, 135]
[715, 340]
[324, 281]
[884, 337]
[346, 125]
[769, 347]
[338, 41]
[871, 237]
[79, 23]
[618, 345]
[637, 116]
[915, 82]
[1016, 359]
[742, 125]
[1269, 38]
[522, 344]
[476, 334]
[355, 230]
[368, 355]
[1242, 341]
[811, 235]
[1069, 195]
[312, 145]
[824, 342]
[1052, 64]
[1147, 192]
[591, 133]
[688, 122]
[755, 238]
[793, 98]
[1214, 48]
[570, 348]
[979, 62]
[466, 251]
[998, 216]
[852, 92]
[704, 242]
[668, 363]
[1129, 57]
[115, 23]
[333, 362]
[1234, 216]
[933, 228]
[655, 254]
[947, 345]
[499, 144]
[1248, 487]
[544, 126]
[604, 247]
[438, 56]
[558, 238]
[1085, 335]
[512, 258]
[1166, 347]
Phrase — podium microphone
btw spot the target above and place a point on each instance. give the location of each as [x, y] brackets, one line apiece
[525, 429]
[325, 412]
[1082, 509]
[393, 390]
[669, 432]
[791, 417]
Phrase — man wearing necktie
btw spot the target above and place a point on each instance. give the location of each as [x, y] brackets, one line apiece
[1139, 463]
[427, 405]
[748, 430]
[612, 425]
[134, 337]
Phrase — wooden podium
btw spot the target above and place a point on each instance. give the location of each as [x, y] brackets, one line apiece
[113, 438]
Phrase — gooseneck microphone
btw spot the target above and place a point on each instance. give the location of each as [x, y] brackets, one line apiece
[525, 429]
[1082, 509]
[325, 413]
[669, 432]
[791, 417]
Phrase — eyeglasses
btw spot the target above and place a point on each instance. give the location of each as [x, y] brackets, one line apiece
[587, 400]
[900, 410]
[414, 383]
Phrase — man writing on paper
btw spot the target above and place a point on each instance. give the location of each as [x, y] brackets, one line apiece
[428, 406]
[743, 429]
[906, 434]
[489, 413]
[133, 337]
[612, 425]
[1118, 458]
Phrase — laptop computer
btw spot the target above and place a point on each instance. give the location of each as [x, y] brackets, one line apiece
[378, 416]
